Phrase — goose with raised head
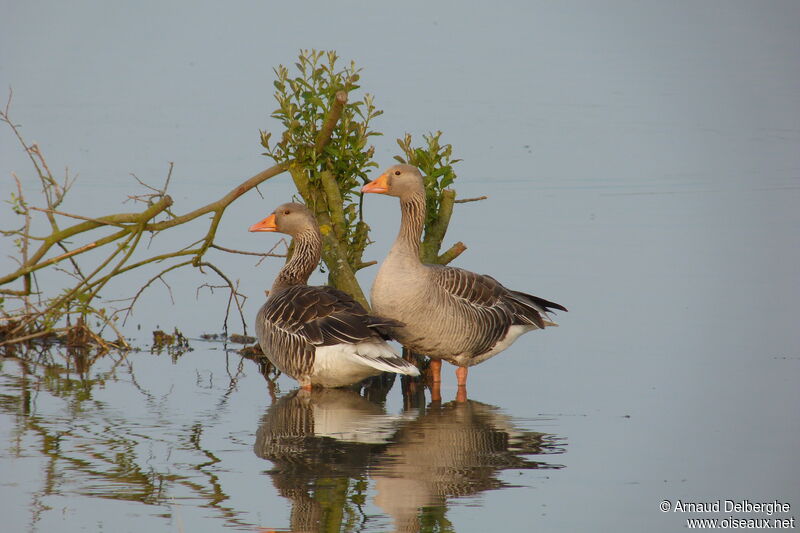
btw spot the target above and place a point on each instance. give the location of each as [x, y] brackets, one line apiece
[448, 313]
[319, 335]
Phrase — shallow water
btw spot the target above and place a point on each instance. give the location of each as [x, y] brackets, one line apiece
[160, 440]
[642, 169]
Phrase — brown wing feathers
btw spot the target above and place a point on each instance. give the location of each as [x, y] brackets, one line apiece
[478, 290]
[495, 306]
[276, 341]
[324, 316]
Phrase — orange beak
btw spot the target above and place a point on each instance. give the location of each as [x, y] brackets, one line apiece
[380, 185]
[268, 224]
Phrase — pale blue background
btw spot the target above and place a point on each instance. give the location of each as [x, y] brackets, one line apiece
[642, 166]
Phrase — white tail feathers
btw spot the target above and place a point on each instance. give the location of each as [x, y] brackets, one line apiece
[382, 357]
[344, 364]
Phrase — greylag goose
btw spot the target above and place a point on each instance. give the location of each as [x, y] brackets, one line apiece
[448, 313]
[319, 335]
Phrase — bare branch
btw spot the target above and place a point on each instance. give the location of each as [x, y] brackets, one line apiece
[8, 102]
[330, 121]
[69, 254]
[258, 254]
[32, 336]
[33, 263]
[77, 269]
[222, 202]
[233, 297]
[15, 128]
[141, 290]
[453, 252]
[465, 200]
[366, 264]
[120, 337]
[79, 217]
[157, 193]
[280, 242]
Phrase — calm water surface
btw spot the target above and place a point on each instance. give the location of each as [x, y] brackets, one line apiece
[154, 438]
[642, 167]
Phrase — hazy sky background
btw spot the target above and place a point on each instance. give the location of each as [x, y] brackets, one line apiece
[626, 97]
[642, 164]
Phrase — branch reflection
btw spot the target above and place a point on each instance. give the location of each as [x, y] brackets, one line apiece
[104, 432]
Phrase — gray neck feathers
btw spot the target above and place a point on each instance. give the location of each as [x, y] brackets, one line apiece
[304, 260]
[412, 210]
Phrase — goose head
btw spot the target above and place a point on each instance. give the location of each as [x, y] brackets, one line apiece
[398, 180]
[290, 218]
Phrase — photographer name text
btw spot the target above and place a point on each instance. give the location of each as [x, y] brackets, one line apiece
[731, 506]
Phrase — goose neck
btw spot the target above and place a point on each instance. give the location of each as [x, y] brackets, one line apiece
[304, 260]
[412, 220]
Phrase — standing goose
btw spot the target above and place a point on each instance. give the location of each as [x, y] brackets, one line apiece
[319, 335]
[449, 313]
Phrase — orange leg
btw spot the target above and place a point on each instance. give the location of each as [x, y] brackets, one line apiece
[435, 368]
[436, 392]
[461, 375]
[306, 387]
[435, 375]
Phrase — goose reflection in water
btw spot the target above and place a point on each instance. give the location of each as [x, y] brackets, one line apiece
[326, 444]
[321, 443]
[453, 450]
